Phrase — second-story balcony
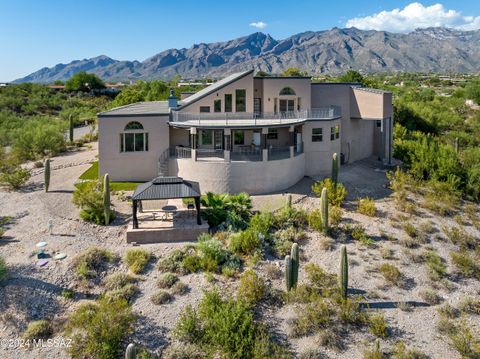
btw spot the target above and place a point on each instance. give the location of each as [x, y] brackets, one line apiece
[248, 119]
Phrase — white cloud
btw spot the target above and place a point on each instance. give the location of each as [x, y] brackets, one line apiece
[414, 16]
[259, 25]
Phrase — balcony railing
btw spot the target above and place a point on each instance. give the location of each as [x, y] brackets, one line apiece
[180, 152]
[278, 153]
[254, 119]
[246, 153]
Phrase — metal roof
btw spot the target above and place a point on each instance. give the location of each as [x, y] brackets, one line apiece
[164, 188]
[212, 88]
[147, 108]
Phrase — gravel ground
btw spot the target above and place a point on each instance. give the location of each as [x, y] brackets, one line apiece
[33, 293]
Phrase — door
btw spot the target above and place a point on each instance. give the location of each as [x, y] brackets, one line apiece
[218, 139]
[257, 105]
[298, 140]
[256, 138]
[287, 105]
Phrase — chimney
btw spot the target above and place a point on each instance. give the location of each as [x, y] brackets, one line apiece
[172, 100]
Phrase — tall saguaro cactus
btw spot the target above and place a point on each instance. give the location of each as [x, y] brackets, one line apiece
[70, 128]
[131, 352]
[46, 173]
[295, 258]
[335, 170]
[324, 209]
[288, 272]
[289, 201]
[106, 198]
[343, 275]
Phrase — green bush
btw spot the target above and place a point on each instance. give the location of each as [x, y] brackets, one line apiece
[173, 262]
[367, 207]
[437, 268]
[137, 259]
[252, 287]
[391, 273]
[465, 264]
[312, 318]
[97, 330]
[118, 280]
[336, 195]
[92, 261]
[244, 242]
[3, 269]
[470, 305]
[378, 326]
[230, 211]
[88, 196]
[180, 288]
[39, 329]
[400, 351]
[126, 292]
[212, 254]
[464, 341]
[14, 178]
[167, 280]
[191, 263]
[161, 297]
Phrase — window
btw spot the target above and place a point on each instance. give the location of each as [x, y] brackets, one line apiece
[272, 134]
[206, 137]
[317, 134]
[240, 100]
[204, 108]
[228, 102]
[335, 132]
[134, 125]
[287, 91]
[134, 142]
[217, 106]
[238, 137]
[287, 105]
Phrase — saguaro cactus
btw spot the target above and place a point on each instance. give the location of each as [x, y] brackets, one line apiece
[324, 209]
[46, 173]
[106, 198]
[288, 272]
[295, 258]
[335, 170]
[289, 201]
[343, 275]
[131, 352]
[71, 128]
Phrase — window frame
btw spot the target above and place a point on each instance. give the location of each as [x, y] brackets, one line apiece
[272, 134]
[235, 137]
[204, 109]
[217, 105]
[334, 132]
[317, 137]
[240, 106]
[136, 138]
[287, 91]
[228, 98]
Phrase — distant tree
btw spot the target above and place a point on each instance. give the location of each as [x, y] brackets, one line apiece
[176, 79]
[58, 82]
[352, 76]
[472, 91]
[262, 74]
[293, 71]
[85, 82]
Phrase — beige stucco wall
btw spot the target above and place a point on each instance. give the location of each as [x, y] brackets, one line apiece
[234, 177]
[131, 166]
[272, 87]
[243, 83]
[370, 105]
[179, 136]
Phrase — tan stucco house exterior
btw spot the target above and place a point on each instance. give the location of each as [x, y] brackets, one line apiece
[247, 133]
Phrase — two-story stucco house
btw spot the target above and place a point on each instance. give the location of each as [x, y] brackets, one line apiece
[247, 133]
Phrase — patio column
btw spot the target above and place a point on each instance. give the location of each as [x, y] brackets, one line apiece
[134, 215]
[263, 143]
[197, 206]
[227, 134]
[193, 141]
[291, 132]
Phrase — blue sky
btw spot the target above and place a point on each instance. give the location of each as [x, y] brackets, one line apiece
[35, 33]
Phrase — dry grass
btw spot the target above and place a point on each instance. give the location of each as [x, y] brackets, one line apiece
[391, 274]
[430, 297]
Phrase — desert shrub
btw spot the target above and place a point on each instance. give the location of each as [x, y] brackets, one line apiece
[400, 351]
[92, 261]
[378, 326]
[351, 313]
[272, 271]
[137, 259]
[437, 268]
[191, 263]
[167, 280]
[320, 280]
[14, 178]
[212, 253]
[88, 196]
[330, 339]
[440, 197]
[252, 287]
[367, 207]
[126, 292]
[447, 311]
[315, 220]
[386, 253]
[98, 329]
[183, 351]
[465, 264]
[335, 213]
[326, 243]
[262, 223]
[244, 242]
[410, 230]
[161, 297]
[358, 233]
[310, 353]
[464, 341]
[287, 217]
[180, 288]
[336, 195]
[373, 353]
[228, 211]
[284, 238]
[427, 227]
[470, 305]
[460, 237]
[431, 297]
[312, 318]
[225, 326]
[67, 294]
[118, 280]
[3, 269]
[391, 273]
[174, 261]
[39, 329]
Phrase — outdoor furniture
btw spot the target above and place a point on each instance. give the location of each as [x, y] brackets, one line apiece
[190, 209]
[167, 210]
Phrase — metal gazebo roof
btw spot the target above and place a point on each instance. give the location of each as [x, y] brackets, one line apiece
[164, 188]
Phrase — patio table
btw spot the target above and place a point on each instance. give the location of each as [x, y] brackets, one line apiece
[169, 209]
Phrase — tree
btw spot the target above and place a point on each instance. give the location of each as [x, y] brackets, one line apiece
[85, 82]
[293, 71]
[352, 76]
[472, 91]
[71, 115]
[262, 74]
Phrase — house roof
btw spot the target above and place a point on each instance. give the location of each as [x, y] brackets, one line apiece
[212, 88]
[368, 89]
[148, 108]
[164, 188]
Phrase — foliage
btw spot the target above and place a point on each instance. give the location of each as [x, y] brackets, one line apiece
[161, 297]
[245, 242]
[180, 288]
[465, 264]
[83, 81]
[377, 325]
[39, 329]
[89, 263]
[89, 198]
[352, 76]
[436, 265]
[230, 211]
[292, 72]
[336, 194]
[366, 206]
[98, 329]
[252, 287]
[391, 273]
[14, 177]
[118, 280]
[431, 297]
[167, 280]
[137, 259]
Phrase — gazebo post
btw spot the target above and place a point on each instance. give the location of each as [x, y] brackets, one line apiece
[134, 217]
[197, 206]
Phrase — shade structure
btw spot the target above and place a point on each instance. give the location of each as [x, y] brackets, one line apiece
[164, 188]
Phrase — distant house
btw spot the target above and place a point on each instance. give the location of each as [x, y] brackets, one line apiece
[246, 133]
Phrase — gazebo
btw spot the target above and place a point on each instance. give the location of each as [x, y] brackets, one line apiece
[162, 188]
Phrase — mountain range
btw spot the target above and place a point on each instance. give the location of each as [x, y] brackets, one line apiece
[332, 51]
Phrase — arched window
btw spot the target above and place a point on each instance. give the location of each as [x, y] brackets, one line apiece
[134, 125]
[133, 139]
[287, 91]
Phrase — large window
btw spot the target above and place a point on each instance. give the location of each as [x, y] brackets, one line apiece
[317, 135]
[204, 108]
[228, 102]
[239, 137]
[272, 134]
[206, 137]
[217, 106]
[240, 100]
[133, 139]
[335, 132]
